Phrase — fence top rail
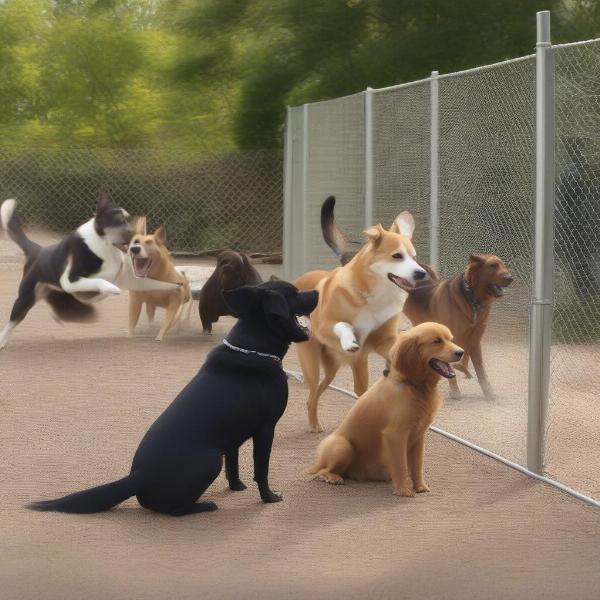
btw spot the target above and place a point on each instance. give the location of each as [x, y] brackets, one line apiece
[399, 86]
[487, 67]
[581, 43]
[329, 100]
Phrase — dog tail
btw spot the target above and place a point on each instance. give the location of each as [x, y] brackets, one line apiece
[332, 234]
[67, 308]
[12, 224]
[94, 500]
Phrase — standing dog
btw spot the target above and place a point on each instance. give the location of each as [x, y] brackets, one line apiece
[150, 258]
[359, 308]
[84, 267]
[239, 393]
[383, 434]
[463, 304]
[233, 270]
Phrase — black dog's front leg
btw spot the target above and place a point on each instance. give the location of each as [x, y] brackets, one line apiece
[232, 471]
[262, 441]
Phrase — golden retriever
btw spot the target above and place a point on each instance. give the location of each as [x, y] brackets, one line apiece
[383, 434]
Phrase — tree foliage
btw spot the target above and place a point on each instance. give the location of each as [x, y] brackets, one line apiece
[219, 73]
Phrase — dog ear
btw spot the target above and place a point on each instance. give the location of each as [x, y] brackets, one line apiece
[374, 234]
[104, 201]
[404, 224]
[276, 309]
[140, 226]
[407, 359]
[161, 235]
[477, 259]
[242, 301]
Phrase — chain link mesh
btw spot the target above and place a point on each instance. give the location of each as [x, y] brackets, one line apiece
[206, 202]
[572, 438]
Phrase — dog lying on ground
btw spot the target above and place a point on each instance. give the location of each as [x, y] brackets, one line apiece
[239, 393]
[359, 308]
[383, 434]
[233, 270]
[463, 304]
[83, 268]
[150, 258]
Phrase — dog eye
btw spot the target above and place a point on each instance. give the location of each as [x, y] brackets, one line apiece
[495, 265]
[437, 341]
[398, 255]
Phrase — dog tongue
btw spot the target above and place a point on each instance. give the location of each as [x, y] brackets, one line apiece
[139, 266]
[443, 368]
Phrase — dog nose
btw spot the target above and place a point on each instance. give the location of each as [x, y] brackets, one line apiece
[135, 249]
[509, 279]
[459, 354]
[419, 274]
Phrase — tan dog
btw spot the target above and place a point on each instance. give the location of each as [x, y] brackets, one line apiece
[150, 258]
[463, 304]
[359, 308]
[383, 434]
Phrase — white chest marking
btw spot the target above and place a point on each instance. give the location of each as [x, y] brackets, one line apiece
[112, 257]
[383, 303]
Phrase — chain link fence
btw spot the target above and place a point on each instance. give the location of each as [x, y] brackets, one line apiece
[206, 201]
[486, 151]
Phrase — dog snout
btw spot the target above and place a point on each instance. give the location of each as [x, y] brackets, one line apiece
[459, 353]
[419, 274]
[135, 249]
[508, 279]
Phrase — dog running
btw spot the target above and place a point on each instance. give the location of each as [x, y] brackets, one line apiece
[84, 267]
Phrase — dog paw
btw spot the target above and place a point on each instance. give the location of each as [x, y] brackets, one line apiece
[271, 496]
[315, 427]
[489, 395]
[455, 396]
[350, 345]
[237, 486]
[405, 492]
[108, 288]
[332, 478]
[422, 488]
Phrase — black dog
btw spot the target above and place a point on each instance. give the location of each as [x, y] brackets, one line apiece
[233, 270]
[239, 393]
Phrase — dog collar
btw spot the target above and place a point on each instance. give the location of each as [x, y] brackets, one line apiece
[246, 351]
[476, 305]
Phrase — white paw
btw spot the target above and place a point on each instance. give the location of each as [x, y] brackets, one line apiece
[108, 288]
[349, 344]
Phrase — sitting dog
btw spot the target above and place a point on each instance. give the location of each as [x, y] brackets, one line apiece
[359, 308]
[383, 434]
[233, 270]
[150, 258]
[84, 267]
[463, 304]
[239, 393]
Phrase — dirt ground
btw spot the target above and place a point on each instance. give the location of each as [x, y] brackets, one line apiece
[76, 400]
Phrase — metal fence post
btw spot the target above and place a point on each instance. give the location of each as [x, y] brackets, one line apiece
[369, 182]
[302, 267]
[540, 335]
[434, 209]
[288, 246]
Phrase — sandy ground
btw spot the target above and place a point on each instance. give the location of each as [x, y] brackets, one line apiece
[76, 400]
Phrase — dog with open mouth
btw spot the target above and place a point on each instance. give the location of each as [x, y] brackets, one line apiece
[359, 308]
[383, 435]
[463, 304]
[151, 258]
[84, 267]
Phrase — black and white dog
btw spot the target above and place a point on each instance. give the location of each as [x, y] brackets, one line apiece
[240, 392]
[81, 269]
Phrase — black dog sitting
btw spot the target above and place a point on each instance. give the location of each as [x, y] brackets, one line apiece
[233, 270]
[239, 393]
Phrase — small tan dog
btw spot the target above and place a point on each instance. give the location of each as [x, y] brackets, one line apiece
[383, 434]
[359, 308]
[150, 258]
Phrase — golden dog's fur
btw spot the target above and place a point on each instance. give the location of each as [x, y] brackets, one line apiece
[359, 308]
[161, 268]
[383, 434]
[463, 304]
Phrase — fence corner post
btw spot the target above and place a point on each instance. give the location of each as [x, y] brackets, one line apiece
[542, 301]
[369, 181]
[434, 173]
[287, 245]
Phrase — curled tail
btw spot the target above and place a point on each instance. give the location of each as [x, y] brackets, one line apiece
[97, 499]
[12, 224]
[332, 234]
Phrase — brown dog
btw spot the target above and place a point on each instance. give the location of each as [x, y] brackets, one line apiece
[463, 304]
[150, 258]
[359, 308]
[383, 434]
[233, 270]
